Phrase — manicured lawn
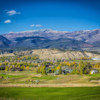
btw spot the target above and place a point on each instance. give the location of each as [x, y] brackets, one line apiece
[95, 76]
[71, 93]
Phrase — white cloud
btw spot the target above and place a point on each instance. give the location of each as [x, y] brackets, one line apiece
[12, 12]
[32, 25]
[37, 25]
[7, 21]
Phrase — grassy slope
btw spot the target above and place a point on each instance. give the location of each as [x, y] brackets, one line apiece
[80, 93]
[25, 76]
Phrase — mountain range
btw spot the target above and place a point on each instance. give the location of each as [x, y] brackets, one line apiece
[47, 38]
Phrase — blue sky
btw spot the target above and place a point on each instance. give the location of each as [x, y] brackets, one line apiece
[62, 15]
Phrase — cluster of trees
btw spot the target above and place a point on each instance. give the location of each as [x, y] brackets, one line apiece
[44, 68]
[16, 66]
[16, 58]
[82, 68]
[85, 58]
[28, 58]
[70, 64]
[97, 65]
[77, 68]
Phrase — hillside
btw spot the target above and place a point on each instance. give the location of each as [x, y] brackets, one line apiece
[4, 42]
[54, 54]
[59, 54]
[41, 42]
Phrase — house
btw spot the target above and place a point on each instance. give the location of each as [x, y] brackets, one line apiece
[66, 69]
[2, 67]
[94, 71]
[95, 58]
[47, 66]
[16, 69]
[49, 69]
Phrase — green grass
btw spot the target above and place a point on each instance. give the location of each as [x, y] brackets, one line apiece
[45, 77]
[95, 76]
[6, 78]
[11, 76]
[71, 93]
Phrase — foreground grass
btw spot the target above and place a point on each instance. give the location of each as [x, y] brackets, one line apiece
[71, 93]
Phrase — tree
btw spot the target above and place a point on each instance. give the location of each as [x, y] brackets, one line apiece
[44, 70]
[84, 67]
[7, 68]
[59, 68]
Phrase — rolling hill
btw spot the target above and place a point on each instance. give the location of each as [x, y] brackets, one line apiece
[54, 54]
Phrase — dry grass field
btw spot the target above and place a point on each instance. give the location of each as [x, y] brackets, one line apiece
[30, 78]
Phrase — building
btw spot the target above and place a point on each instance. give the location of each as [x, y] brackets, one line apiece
[95, 58]
[94, 71]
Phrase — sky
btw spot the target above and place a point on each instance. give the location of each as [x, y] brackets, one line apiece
[61, 15]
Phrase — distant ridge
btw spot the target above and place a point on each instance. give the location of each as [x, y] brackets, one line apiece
[47, 38]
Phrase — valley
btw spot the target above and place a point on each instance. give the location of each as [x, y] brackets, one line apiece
[48, 67]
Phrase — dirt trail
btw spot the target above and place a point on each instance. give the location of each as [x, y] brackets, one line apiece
[49, 85]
